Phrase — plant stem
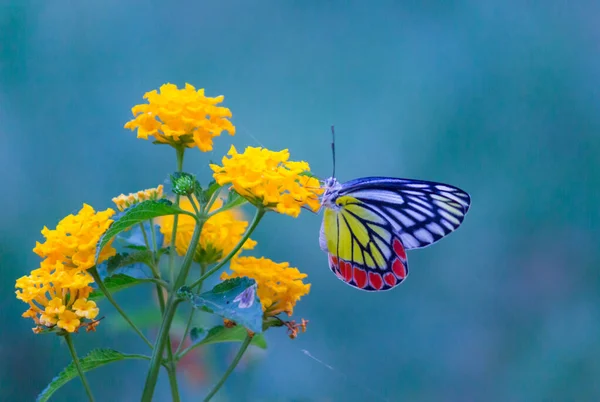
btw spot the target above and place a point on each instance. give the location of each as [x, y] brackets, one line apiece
[94, 272]
[231, 367]
[203, 267]
[180, 151]
[171, 365]
[154, 268]
[77, 363]
[170, 310]
[154, 245]
[172, 373]
[260, 212]
[145, 235]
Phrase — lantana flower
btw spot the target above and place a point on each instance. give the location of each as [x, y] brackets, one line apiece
[279, 286]
[125, 201]
[57, 291]
[181, 117]
[220, 233]
[270, 179]
[57, 296]
[74, 240]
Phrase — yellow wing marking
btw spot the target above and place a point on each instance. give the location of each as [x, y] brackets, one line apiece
[347, 234]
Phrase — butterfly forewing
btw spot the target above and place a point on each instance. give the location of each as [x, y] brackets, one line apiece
[418, 212]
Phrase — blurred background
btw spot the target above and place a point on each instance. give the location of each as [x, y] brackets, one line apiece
[499, 98]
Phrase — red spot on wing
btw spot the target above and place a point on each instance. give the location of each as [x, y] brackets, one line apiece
[360, 277]
[399, 249]
[375, 280]
[390, 279]
[346, 270]
[399, 269]
[333, 260]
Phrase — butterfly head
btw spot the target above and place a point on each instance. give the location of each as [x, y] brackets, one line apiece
[331, 187]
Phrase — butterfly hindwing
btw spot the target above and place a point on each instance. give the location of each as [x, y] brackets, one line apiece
[361, 249]
[420, 212]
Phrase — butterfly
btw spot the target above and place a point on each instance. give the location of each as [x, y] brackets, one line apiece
[369, 223]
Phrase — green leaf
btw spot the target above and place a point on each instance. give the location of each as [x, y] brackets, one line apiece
[136, 214]
[234, 299]
[94, 359]
[122, 260]
[233, 200]
[220, 333]
[136, 247]
[213, 188]
[116, 283]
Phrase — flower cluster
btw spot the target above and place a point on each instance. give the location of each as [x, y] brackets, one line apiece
[74, 240]
[220, 233]
[181, 117]
[57, 296]
[270, 179]
[57, 291]
[279, 286]
[125, 201]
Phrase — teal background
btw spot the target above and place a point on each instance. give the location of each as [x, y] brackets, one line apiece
[499, 98]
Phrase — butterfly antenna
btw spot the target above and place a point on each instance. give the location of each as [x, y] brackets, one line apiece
[333, 149]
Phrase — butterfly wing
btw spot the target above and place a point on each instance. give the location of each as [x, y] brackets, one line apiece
[375, 219]
[420, 212]
[362, 250]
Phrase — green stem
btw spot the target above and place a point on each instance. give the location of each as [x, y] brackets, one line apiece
[203, 267]
[154, 245]
[77, 363]
[154, 268]
[231, 367]
[171, 367]
[180, 151]
[185, 351]
[193, 202]
[171, 308]
[172, 373]
[94, 272]
[145, 235]
[260, 212]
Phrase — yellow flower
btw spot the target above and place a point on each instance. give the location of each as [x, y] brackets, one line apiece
[74, 240]
[125, 201]
[181, 117]
[68, 321]
[279, 286]
[220, 233]
[55, 306]
[270, 179]
[57, 296]
[86, 309]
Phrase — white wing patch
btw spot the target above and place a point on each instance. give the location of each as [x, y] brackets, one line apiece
[419, 212]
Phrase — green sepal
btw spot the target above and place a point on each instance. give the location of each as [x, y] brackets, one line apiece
[309, 174]
[136, 214]
[96, 358]
[234, 299]
[272, 322]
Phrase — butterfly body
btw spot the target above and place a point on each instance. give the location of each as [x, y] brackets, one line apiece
[369, 223]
